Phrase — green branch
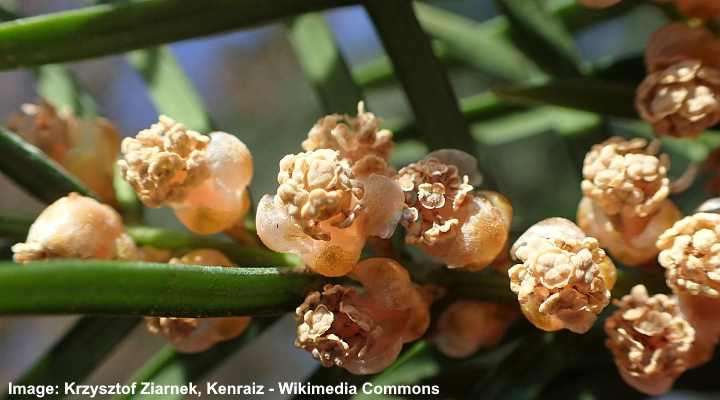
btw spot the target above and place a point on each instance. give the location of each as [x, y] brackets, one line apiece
[134, 288]
[33, 171]
[113, 28]
[137, 288]
[177, 240]
[130, 206]
[586, 94]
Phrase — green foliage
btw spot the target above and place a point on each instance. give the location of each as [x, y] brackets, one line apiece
[170, 89]
[422, 76]
[542, 35]
[136, 288]
[485, 46]
[104, 28]
[57, 84]
[324, 65]
[32, 170]
[176, 240]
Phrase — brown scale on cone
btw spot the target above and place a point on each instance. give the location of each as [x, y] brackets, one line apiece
[467, 326]
[626, 177]
[363, 330]
[359, 140]
[625, 204]
[679, 96]
[690, 253]
[445, 218]
[563, 278]
[651, 341]
[318, 186]
[434, 192]
[324, 213]
[162, 162]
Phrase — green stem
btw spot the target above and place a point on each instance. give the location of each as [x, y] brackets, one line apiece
[487, 285]
[586, 94]
[32, 170]
[176, 240]
[113, 28]
[130, 206]
[134, 288]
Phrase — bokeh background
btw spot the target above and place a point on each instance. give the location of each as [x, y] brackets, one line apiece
[253, 86]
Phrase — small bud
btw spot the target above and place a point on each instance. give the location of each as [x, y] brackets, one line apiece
[324, 213]
[363, 330]
[651, 341]
[192, 335]
[679, 97]
[42, 126]
[690, 253]
[564, 279]
[203, 178]
[76, 227]
[386, 282]
[87, 148]
[466, 326]
[625, 204]
[359, 140]
[446, 219]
